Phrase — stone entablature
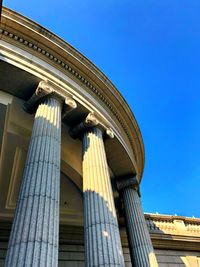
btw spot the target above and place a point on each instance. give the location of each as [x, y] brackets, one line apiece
[176, 225]
[44, 46]
[175, 233]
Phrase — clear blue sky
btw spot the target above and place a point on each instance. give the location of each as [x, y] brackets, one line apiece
[151, 52]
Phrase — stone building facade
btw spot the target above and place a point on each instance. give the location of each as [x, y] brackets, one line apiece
[72, 159]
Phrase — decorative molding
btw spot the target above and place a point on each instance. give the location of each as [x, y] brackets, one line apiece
[77, 75]
[173, 225]
[16, 175]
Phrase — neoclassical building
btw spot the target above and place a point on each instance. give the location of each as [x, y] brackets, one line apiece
[71, 164]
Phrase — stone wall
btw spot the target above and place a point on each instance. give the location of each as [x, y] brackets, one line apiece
[71, 247]
[174, 258]
[176, 241]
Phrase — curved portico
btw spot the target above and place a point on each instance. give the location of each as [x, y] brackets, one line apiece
[75, 125]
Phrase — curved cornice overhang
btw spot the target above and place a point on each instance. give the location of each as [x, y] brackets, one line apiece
[31, 37]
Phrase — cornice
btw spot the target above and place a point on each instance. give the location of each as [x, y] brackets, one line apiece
[161, 217]
[174, 232]
[66, 66]
[173, 225]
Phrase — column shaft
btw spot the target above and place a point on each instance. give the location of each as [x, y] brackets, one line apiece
[141, 249]
[34, 235]
[102, 239]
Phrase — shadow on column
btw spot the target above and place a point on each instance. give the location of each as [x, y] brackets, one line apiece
[102, 244]
[34, 235]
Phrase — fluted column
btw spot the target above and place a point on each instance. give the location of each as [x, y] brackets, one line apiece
[34, 235]
[102, 239]
[141, 249]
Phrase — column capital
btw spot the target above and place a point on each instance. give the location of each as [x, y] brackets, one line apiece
[89, 122]
[44, 90]
[131, 182]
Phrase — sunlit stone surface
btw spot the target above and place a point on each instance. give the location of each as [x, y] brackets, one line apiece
[102, 240]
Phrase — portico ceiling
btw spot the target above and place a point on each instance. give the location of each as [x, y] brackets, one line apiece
[17, 86]
[43, 53]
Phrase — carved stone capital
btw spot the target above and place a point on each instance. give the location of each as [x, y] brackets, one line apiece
[110, 132]
[89, 122]
[44, 90]
[68, 106]
[128, 182]
[40, 93]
